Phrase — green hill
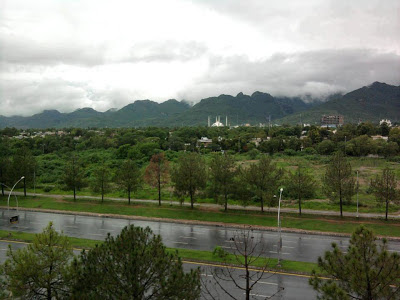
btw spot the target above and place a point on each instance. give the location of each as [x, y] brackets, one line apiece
[370, 103]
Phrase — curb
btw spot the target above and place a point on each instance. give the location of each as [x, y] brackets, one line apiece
[195, 222]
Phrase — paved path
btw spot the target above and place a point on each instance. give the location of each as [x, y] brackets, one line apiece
[395, 216]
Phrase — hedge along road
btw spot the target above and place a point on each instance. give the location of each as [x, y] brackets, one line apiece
[296, 246]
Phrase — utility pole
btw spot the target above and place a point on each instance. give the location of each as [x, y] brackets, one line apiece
[279, 230]
[357, 193]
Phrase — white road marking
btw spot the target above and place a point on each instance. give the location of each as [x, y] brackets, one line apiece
[188, 237]
[208, 275]
[181, 243]
[284, 246]
[98, 234]
[277, 252]
[266, 282]
[258, 295]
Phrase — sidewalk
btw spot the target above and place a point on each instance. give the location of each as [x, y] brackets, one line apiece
[395, 216]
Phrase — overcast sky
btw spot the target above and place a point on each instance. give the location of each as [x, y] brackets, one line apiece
[68, 54]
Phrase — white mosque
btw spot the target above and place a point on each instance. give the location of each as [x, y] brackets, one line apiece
[217, 122]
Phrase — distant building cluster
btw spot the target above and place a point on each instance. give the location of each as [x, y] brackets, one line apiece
[332, 121]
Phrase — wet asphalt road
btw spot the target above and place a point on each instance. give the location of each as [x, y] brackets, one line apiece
[299, 247]
[280, 286]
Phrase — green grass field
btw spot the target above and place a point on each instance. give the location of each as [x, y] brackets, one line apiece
[305, 222]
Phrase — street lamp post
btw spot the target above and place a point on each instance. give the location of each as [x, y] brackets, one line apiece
[9, 194]
[279, 229]
[357, 193]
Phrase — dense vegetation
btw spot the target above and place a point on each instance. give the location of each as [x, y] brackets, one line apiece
[91, 161]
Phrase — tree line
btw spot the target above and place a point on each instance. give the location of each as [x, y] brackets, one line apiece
[222, 178]
[140, 144]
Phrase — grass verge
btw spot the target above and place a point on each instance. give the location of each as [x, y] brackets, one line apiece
[289, 220]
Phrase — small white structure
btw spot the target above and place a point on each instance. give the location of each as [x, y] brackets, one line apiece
[217, 122]
[388, 122]
[205, 141]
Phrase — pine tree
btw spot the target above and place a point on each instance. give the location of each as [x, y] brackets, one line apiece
[133, 265]
[41, 269]
[338, 180]
[263, 179]
[300, 183]
[101, 180]
[73, 175]
[222, 175]
[384, 188]
[128, 177]
[189, 175]
[366, 272]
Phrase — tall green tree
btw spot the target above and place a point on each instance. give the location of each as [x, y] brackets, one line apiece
[128, 177]
[134, 265]
[157, 173]
[23, 164]
[101, 180]
[339, 182]
[189, 175]
[4, 172]
[264, 178]
[384, 188]
[74, 175]
[301, 183]
[366, 272]
[222, 176]
[41, 269]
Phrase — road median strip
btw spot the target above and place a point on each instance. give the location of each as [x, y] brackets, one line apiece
[197, 257]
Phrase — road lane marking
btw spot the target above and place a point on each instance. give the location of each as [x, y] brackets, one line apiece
[277, 252]
[250, 269]
[265, 282]
[284, 246]
[188, 237]
[208, 275]
[181, 243]
[258, 295]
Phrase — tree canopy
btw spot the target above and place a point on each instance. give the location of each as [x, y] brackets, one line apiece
[366, 272]
[134, 265]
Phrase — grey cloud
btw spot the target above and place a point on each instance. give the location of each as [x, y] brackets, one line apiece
[166, 51]
[24, 97]
[318, 73]
[20, 50]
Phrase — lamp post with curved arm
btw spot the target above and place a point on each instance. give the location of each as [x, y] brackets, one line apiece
[9, 194]
[279, 229]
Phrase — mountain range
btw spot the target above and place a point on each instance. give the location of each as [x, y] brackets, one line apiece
[369, 103]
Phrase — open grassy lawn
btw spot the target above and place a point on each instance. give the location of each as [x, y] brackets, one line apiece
[367, 167]
[305, 222]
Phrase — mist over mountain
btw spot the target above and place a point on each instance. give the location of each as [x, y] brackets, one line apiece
[369, 103]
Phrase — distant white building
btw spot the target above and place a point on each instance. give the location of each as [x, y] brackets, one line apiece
[388, 122]
[205, 141]
[217, 122]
